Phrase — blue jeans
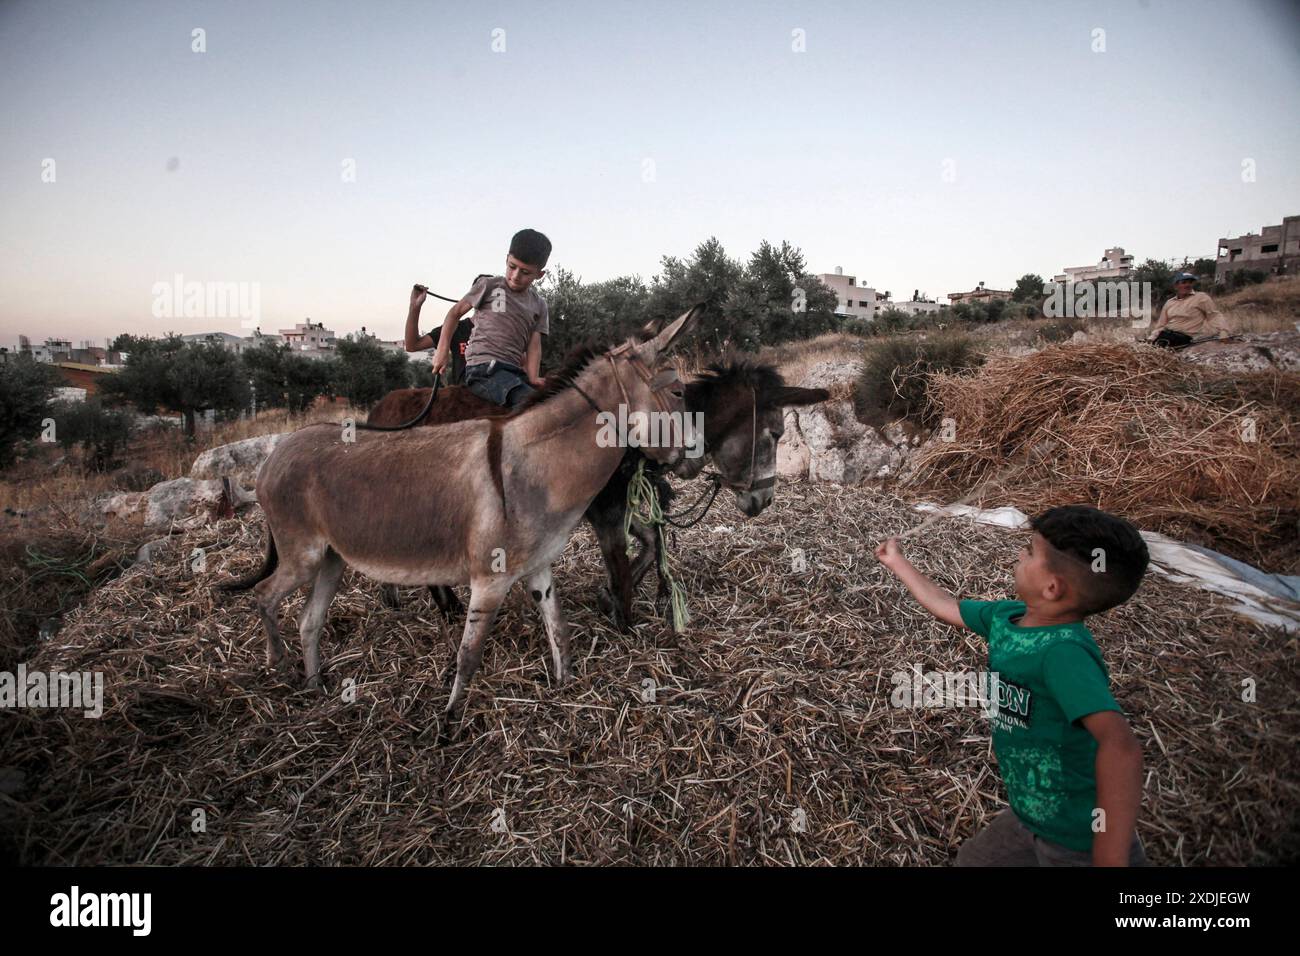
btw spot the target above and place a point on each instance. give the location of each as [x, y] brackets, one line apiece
[498, 382]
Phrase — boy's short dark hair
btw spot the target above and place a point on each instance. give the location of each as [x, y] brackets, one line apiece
[531, 247]
[1075, 533]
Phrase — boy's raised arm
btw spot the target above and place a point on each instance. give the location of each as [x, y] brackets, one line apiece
[414, 341]
[931, 597]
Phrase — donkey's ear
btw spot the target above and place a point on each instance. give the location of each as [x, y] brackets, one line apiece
[788, 395]
[682, 326]
[646, 333]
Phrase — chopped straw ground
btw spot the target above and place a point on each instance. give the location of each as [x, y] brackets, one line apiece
[1137, 432]
[776, 702]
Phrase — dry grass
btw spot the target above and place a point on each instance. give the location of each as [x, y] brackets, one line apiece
[796, 359]
[37, 484]
[1138, 432]
[1277, 295]
[775, 704]
[50, 559]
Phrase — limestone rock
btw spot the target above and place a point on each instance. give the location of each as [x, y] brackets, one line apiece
[239, 461]
[1251, 352]
[826, 442]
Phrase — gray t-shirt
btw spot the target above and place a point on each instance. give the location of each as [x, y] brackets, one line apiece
[504, 322]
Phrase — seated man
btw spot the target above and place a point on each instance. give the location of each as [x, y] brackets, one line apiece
[1188, 315]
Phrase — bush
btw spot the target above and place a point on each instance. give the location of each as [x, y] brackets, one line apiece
[26, 387]
[894, 380]
[890, 322]
[365, 372]
[282, 378]
[184, 377]
[1061, 330]
[101, 432]
[1241, 278]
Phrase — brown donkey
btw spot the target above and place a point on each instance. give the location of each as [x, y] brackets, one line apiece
[742, 404]
[485, 502]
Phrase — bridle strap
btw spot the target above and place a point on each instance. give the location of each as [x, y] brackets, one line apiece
[645, 374]
[753, 436]
[614, 367]
[578, 388]
[770, 480]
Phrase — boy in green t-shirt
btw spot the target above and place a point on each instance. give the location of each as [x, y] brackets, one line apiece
[1072, 767]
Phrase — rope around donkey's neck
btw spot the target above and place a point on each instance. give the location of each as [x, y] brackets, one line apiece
[643, 503]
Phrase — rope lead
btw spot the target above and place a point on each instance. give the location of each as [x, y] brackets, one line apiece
[643, 503]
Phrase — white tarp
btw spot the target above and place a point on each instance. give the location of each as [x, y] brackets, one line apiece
[1272, 599]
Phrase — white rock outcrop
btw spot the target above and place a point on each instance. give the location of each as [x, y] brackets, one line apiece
[826, 442]
[1251, 352]
[239, 461]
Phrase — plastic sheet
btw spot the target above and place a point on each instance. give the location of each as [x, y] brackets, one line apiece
[1269, 599]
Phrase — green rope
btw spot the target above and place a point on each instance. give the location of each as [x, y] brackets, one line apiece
[643, 503]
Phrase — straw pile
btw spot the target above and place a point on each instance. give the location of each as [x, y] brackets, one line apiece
[1197, 454]
[770, 738]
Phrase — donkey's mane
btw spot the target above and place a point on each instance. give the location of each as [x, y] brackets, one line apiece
[707, 386]
[564, 378]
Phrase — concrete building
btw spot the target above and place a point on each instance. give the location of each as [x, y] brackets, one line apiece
[977, 294]
[858, 301]
[308, 336]
[1115, 265]
[1275, 250]
[54, 350]
[388, 345]
[233, 343]
[89, 354]
[259, 337]
[915, 307]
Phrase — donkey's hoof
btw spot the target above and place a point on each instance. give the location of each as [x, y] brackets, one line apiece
[622, 622]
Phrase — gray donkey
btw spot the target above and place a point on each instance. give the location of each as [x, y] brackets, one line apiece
[485, 502]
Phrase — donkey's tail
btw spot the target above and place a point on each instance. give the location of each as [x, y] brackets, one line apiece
[268, 566]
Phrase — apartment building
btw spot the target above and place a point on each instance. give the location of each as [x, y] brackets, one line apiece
[853, 299]
[1276, 250]
[1116, 265]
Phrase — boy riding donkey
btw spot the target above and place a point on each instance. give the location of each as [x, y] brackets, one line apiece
[504, 354]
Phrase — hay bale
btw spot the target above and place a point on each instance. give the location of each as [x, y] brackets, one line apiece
[1172, 446]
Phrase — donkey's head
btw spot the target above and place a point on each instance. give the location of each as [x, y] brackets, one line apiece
[743, 405]
[652, 395]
